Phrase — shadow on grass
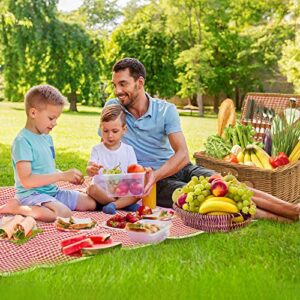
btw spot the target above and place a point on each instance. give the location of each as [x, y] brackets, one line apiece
[65, 160]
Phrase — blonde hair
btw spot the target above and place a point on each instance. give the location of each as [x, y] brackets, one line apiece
[112, 112]
[40, 95]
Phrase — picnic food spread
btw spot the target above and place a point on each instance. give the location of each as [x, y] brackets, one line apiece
[74, 224]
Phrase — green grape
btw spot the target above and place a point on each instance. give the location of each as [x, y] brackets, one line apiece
[233, 189]
[245, 210]
[240, 205]
[252, 210]
[245, 197]
[197, 191]
[185, 206]
[240, 192]
[246, 203]
[201, 178]
[237, 197]
[206, 193]
[201, 198]
[195, 179]
[208, 186]
[189, 197]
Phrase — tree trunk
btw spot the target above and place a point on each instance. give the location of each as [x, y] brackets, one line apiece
[216, 104]
[237, 97]
[73, 101]
[200, 104]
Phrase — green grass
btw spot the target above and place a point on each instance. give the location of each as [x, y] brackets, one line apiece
[258, 262]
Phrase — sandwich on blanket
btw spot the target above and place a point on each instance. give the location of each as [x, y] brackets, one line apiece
[73, 223]
[16, 227]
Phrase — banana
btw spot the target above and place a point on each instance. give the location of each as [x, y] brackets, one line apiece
[263, 157]
[238, 219]
[247, 157]
[218, 213]
[210, 206]
[224, 199]
[255, 160]
[240, 157]
[295, 155]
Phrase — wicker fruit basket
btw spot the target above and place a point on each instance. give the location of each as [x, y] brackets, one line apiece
[222, 223]
[282, 182]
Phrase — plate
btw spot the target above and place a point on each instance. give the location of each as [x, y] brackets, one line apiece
[74, 230]
[156, 216]
[103, 224]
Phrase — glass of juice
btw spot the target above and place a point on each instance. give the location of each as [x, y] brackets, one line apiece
[150, 200]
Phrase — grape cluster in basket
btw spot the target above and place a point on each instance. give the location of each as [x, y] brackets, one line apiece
[215, 195]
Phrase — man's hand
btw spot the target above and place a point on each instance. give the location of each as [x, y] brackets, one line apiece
[93, 169]
[73, 176]
[150, 180]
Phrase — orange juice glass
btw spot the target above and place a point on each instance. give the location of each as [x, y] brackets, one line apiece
[150, 200]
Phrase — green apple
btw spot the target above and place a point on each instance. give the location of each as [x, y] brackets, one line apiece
[176, 194]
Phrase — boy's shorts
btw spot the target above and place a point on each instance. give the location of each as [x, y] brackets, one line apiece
[66, 197]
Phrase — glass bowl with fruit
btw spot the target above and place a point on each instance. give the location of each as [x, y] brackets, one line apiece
[119, 184]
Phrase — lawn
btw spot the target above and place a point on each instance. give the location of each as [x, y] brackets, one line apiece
[258, 262]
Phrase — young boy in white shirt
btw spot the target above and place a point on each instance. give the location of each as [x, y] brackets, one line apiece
[111, 152]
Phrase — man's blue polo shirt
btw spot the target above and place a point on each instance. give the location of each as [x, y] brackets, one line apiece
[148, 135]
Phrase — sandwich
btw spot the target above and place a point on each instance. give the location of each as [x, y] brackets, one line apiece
[7, 227]
[24, 228]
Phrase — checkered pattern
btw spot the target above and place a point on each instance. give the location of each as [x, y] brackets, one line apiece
[44, 249]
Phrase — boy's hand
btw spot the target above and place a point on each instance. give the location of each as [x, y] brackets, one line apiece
[93, 169]
[73, 176]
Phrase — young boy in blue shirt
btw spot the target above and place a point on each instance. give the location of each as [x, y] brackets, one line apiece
[33, 158]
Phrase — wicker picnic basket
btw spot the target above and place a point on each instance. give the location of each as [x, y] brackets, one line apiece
[282, 182]
[222, 223]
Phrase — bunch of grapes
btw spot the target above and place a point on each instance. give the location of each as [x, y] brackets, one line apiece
[114, 170]
[242, 196]
[197, 190]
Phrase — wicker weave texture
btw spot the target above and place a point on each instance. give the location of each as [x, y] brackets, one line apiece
[276, 101]
[282, 182]
[222, 223]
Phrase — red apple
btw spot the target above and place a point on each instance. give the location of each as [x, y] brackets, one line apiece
[219, 188]
[135, 168]
[122, 189]
[213, 177]
[181, 200]
[136, 188]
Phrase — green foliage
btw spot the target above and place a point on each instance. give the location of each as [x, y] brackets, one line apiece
[39, 48]
[144, 36]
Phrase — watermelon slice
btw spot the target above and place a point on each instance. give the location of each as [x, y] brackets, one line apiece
[72, 240]
[73, 248]
[103, 238]
[101, 248]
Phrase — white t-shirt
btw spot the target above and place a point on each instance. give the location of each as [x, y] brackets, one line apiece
[109, 159]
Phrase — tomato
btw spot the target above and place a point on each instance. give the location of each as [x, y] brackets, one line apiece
[231, 158]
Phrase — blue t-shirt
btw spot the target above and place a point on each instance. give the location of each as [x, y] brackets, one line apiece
[148, 135]
[38, 149]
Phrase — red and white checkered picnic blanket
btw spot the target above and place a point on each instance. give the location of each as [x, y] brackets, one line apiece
[44, 249]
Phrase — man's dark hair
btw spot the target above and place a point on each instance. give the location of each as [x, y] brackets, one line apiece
[136, 68]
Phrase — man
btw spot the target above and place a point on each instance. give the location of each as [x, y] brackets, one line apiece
[155, 133]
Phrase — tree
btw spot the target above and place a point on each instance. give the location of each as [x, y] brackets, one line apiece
[38, 48]
[144, 37]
